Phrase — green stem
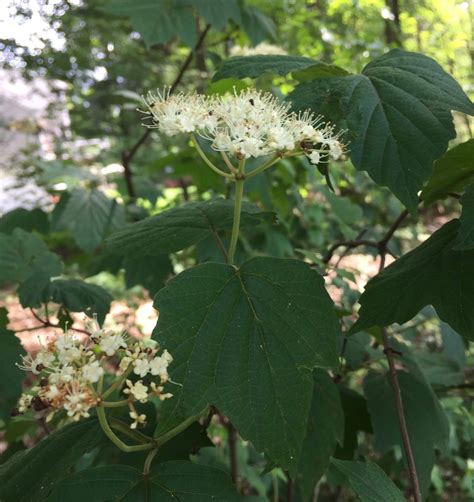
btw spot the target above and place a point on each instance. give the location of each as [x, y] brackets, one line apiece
[239, 192]
[207, 161]
[114, 404]
[161, 440]
[122, 427]
[229, 164]
[264, 166]
[148, 461]
[117, 384]
[115, 439]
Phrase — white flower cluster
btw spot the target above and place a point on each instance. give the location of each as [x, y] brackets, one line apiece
[72, 370]
[261, 49]
[246, 124]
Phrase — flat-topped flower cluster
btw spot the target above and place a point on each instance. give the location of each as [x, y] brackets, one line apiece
[248, 124]
[72, 371]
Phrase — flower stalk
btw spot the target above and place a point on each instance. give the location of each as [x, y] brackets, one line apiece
[115, 439]
[239, 193]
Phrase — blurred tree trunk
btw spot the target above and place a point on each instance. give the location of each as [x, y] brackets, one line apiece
[393, 29]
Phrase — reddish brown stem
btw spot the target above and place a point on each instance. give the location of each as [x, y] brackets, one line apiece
[232, 441]
[48, 324]
[401, 418]
[390, 353]
[289, 487]
[128, 155]
[232, 445]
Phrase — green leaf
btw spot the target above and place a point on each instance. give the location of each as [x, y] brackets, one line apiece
[465, 239]
[227, 85]
[439, 369]
[453, 345]
[319, 70]
[30, 474]
[451, 173]
[246, 341]
[23, 257]
[368, 481]
[181, 227]
[257, 25]
[398, 116]
[28, 220]
[157, 21]
[426, 421]
[150, 273]
[217, 12]
[432, 274]
[169, 481]
[356, 418]
[79, 296]
[325, 429]
[11, 376]
[254, 66]
[89, 215]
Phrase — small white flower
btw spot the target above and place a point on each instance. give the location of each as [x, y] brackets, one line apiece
[45, 358]
[64, 374]
[24, 403]
[66, 341]
[138, 419]
[137, 390]
[178, 113]
[52, 392]
[110, 344]
[159, 367]
[162, 397]
[125, 363]
[92, 372]
[335, 150]
[77, 404]
[68, 348]
[281, 138]
[141, 367]
[314, 157]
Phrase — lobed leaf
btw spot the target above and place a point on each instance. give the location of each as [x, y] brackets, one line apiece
[398, 116]
[25, 257]
[79, 296]
[181, 227]
[169, 481]
[246, 341]
[89, 215]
